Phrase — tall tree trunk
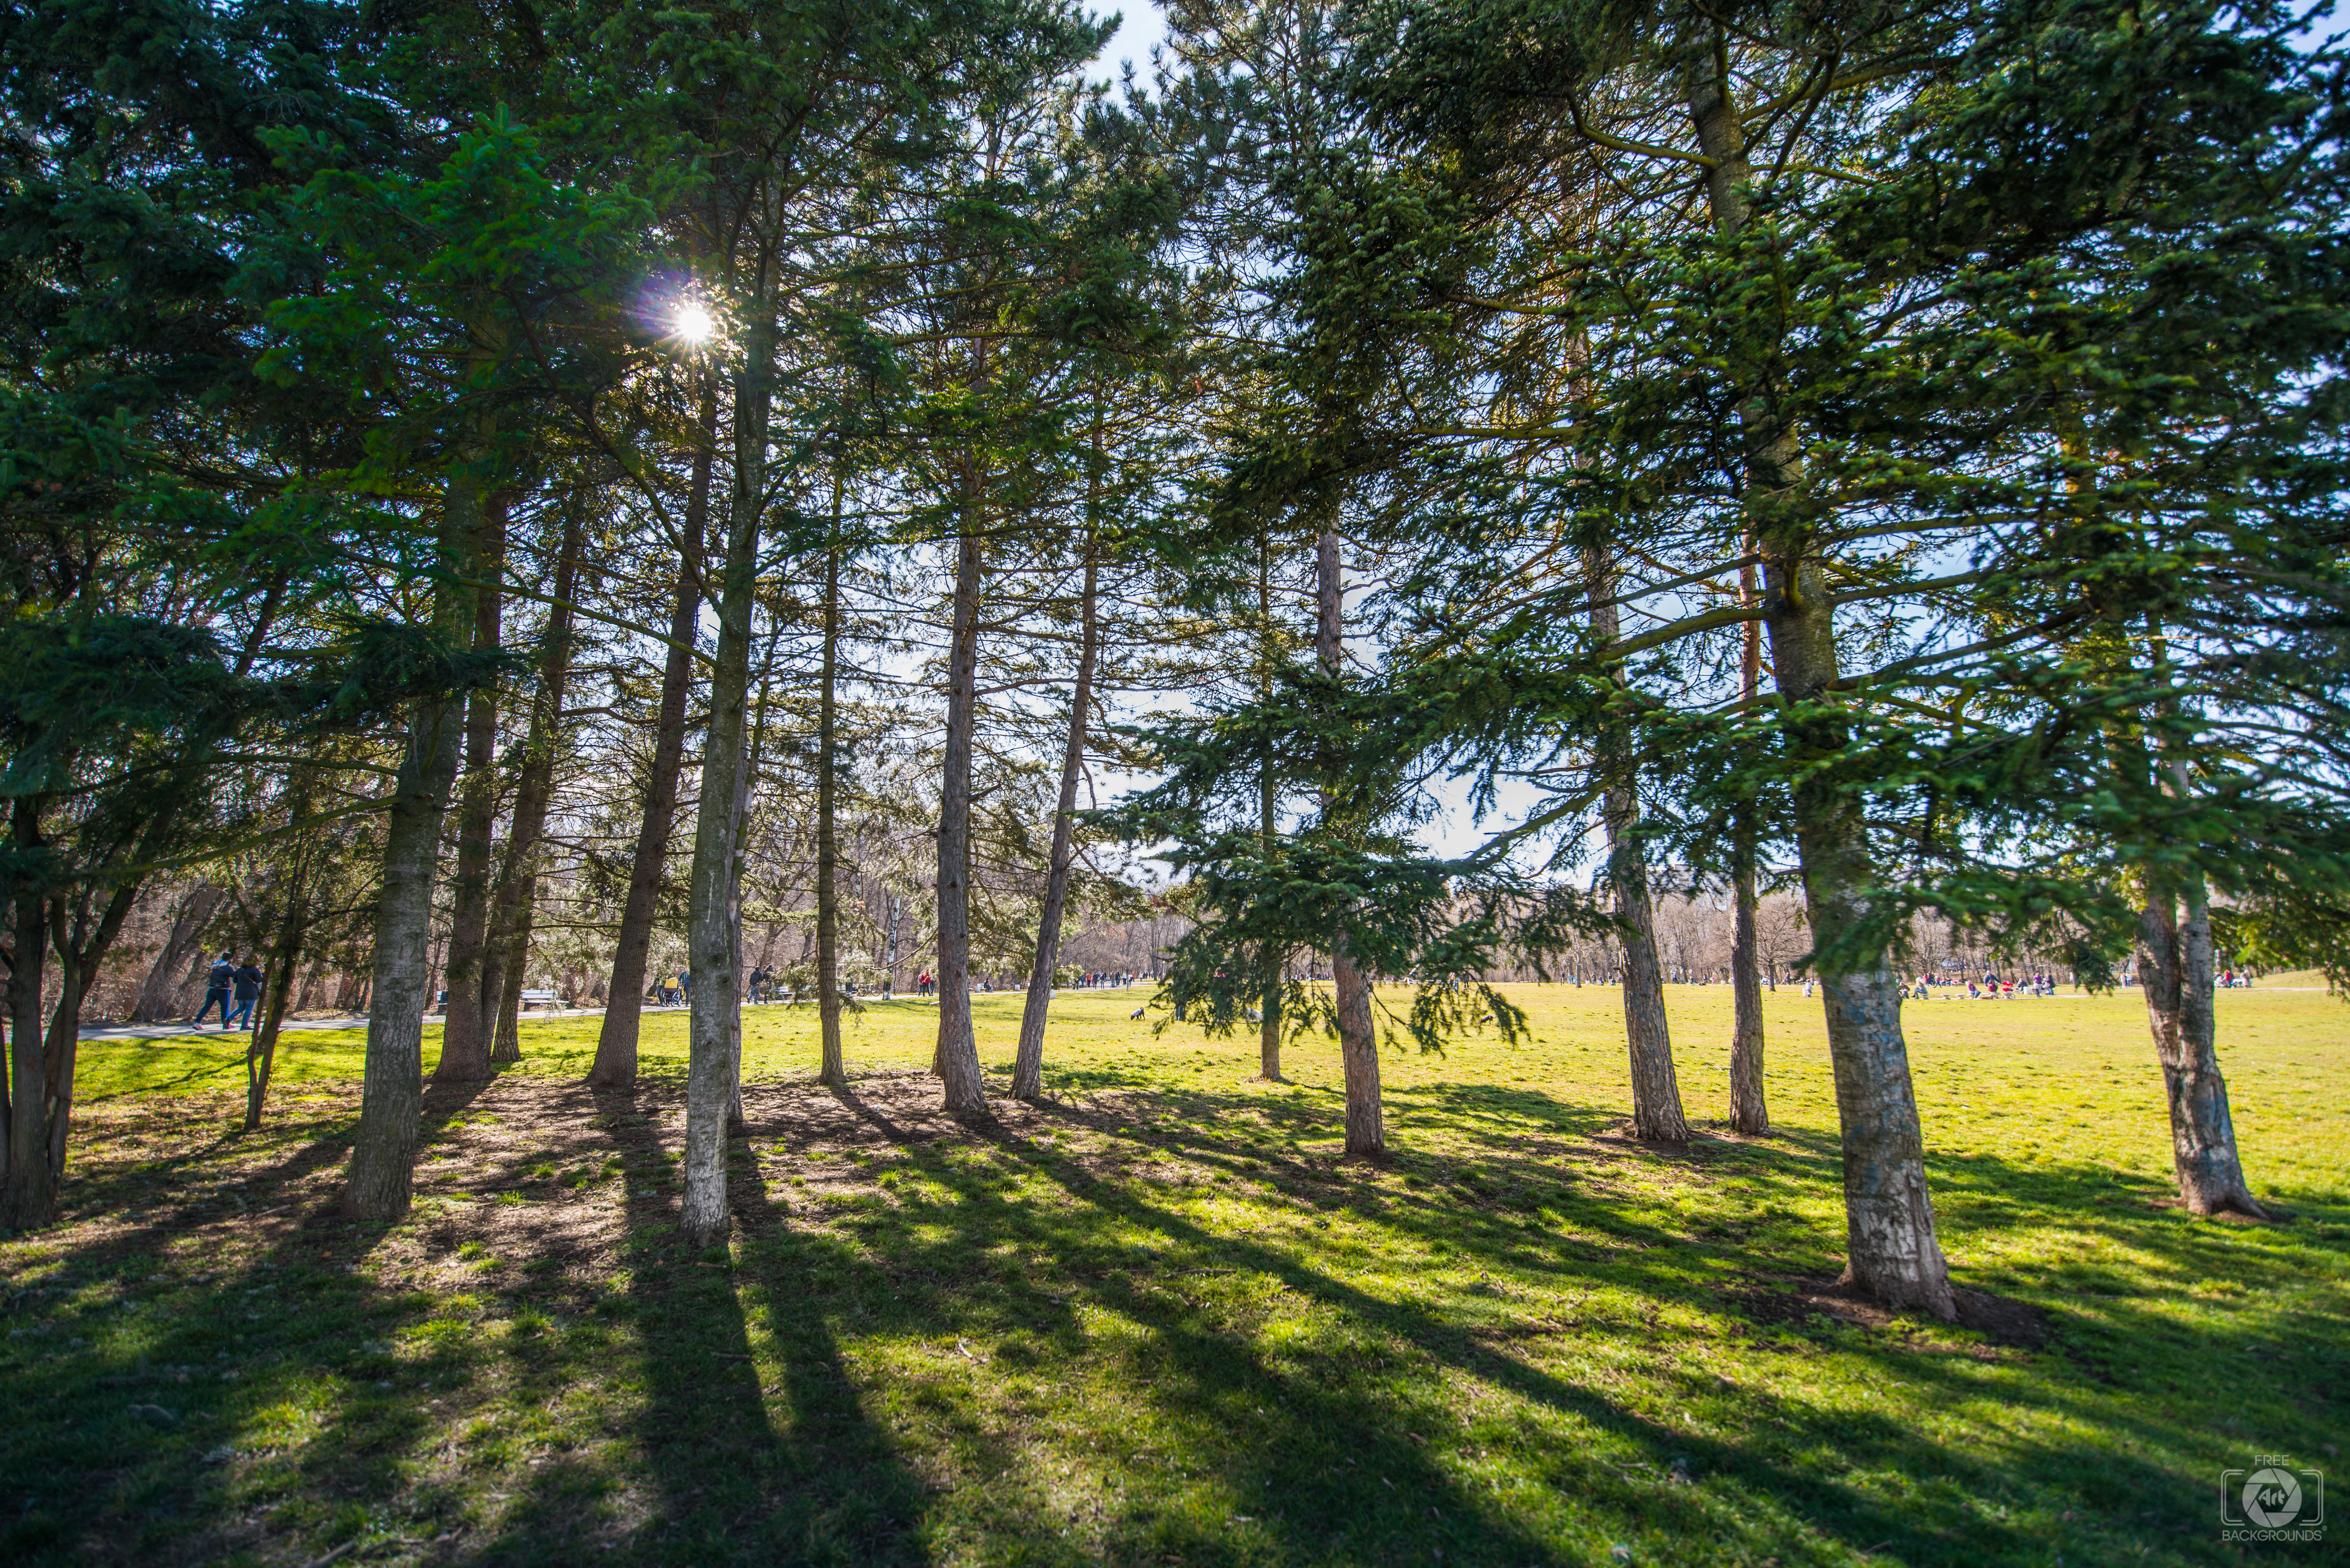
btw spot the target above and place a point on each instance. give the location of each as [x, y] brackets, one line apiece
[34, 1149]
[957, 1056]
[2175, 971]
[81, 945]
[1656, 1090]
[1891, 1250]
[465, 1024]
[1358, 1045]
[261, 1050]
[834, 1070]
[391, 1096]
[1028, 1064]
[517, 903]
[616, 1042]
[284, 958]
[1268, 790]
[1750, 1111]
[158, 996]
[29, 1198]
[738, 1123]
[712, 1069]
[64, 1042]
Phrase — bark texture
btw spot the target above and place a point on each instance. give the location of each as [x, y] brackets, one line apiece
[1750, 1108]
[466, 1023]
[511, 911]
[624, 999]
[2175, 968]
[1890, 1245]
[1657, 1112]
[834, 1068]
[79, 930]
[1891, 1250]
[1359, 1046]
[712, 1070]
[261, 1052]
[1268, 802]
[957, 1058]
[1028, 1062]
[29, 1196]
[284, 958]
[391, 1094]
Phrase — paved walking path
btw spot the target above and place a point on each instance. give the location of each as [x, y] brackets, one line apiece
[173, 1031]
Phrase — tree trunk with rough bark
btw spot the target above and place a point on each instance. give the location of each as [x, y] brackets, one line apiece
[1268, 791]
[81, 944]
[738, 1125]
[956, 1059]
[1750, 1109]
[1358, 1045]
[29, 1196]
[1891, 1250]
[261, 1052]
[516, 902]
[712, 1072]
[624, 999]
[833, 1070]
[1656, 1113]
[391, 1096]
[1028, 1063]
[465, 1025]
[60, 1048]
[2175, 969]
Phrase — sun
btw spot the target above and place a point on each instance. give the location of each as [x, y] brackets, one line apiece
[691, 322]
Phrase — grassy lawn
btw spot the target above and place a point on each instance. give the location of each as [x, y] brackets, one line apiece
[1157, 1321]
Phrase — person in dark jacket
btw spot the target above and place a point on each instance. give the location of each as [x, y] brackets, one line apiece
[247, 981]
[216, 988]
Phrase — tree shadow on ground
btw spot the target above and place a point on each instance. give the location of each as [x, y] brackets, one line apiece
[935, 1339]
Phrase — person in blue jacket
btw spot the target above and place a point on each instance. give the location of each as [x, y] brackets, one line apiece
[247, 981]
[218, 981]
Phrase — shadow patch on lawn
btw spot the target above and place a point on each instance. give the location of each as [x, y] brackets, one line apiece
[2004, 1321]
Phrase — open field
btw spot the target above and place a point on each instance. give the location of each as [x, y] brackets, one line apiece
[1157, 1321]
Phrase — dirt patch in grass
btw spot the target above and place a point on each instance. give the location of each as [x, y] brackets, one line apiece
[2012, 1324]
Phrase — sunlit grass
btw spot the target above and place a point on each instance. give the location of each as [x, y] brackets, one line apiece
[1159, 1321]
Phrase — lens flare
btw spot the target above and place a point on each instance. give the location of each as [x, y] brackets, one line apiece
[693, 323]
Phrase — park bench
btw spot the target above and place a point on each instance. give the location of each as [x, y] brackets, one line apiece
[546, 998]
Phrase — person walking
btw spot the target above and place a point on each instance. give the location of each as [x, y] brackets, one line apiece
[246, 979]
[218, 981]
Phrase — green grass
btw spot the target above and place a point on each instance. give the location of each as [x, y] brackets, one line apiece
[1159, 1321]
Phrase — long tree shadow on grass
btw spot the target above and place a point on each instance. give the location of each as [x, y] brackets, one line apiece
[200, 1393]
[1234, 1457]
[1215, 1381]
[1671, 1279]
[727, 1475]
[1231, 1378]
[1427, 1346]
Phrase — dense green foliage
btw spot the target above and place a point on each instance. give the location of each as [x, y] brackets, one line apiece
[588, 502]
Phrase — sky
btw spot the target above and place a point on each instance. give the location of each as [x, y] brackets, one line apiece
[1141, 26]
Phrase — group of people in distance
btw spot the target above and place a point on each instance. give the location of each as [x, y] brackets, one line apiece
[758, 986]
[228, 977]
[1989, 987]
